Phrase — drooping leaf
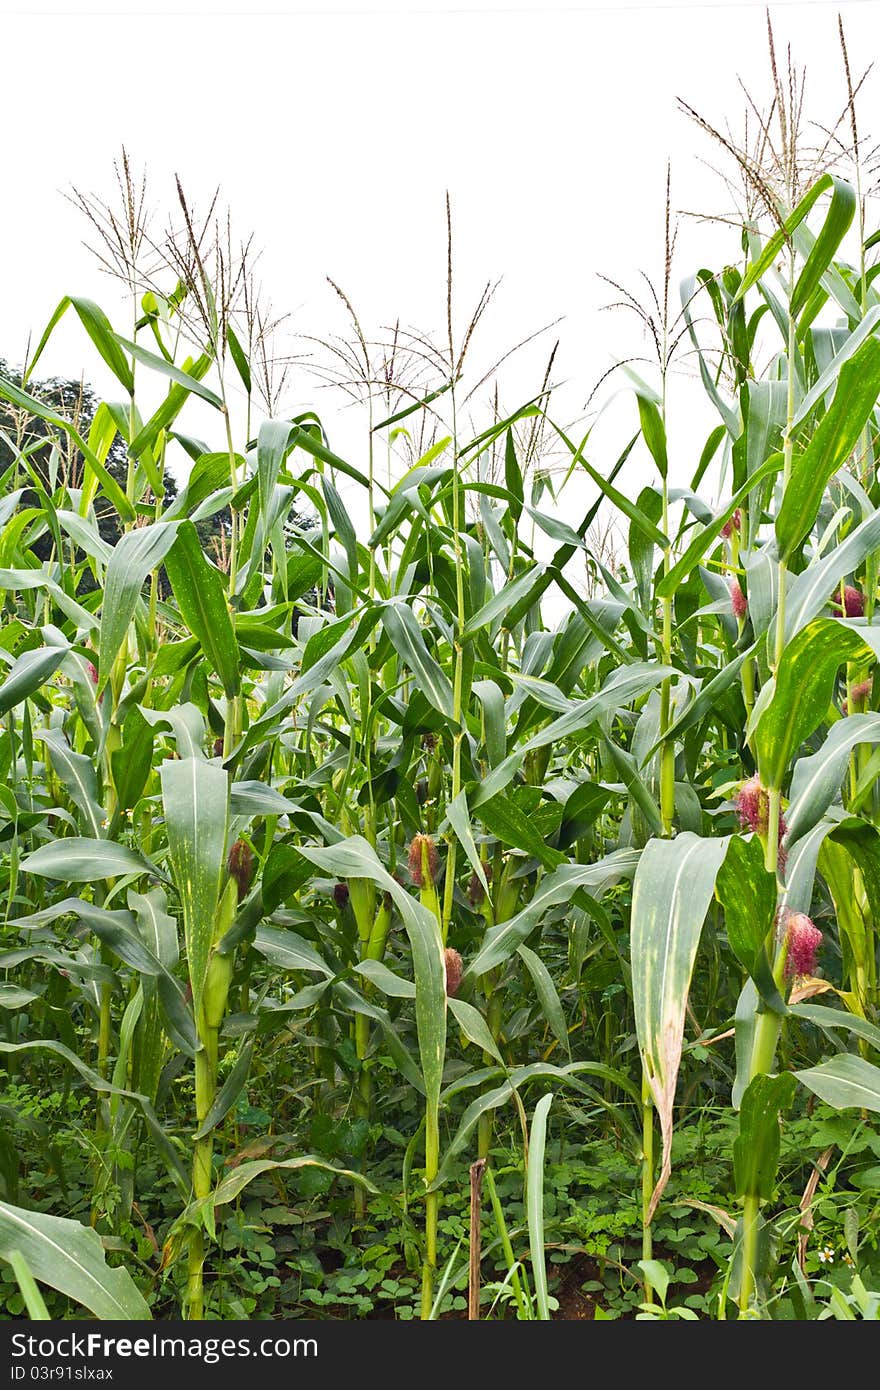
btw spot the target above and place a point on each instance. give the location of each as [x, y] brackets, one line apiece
[816, 779]
[80, 860]
[548, 998]
[28, 673]
[560, 886]
[355, 858]
[844, 1082]
[69, 1257]
[672, 890]
[812, 589]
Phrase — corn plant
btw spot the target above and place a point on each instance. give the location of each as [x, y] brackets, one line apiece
[369, 763]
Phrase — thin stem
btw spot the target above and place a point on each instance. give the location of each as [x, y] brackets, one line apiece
[647, 1178]
[751, 1219]
[667, 751]
[432, 1163]
[787, 453]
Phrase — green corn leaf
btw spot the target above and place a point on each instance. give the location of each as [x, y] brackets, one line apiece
[817, 778]
[834, 228]
[808, 594]
[228, 1094]
[535, 1203]
[288, 951]
[229, 1187]
[756, 1147]
[560, 886]
[198, 588]
[169, 410]
[158, 364]
[838, 1018]
[836, 436]
[195, 796]
[747, 892]
[775, 244]
[513, 477]
[460, 819]
[79, 860]
[491, 698]
[672, 890]
[355, 858]
[547, 996]
[535, 1071]
[500, 604]
[69, 1257]
[851, 343]
[845, 1082]
[284, 873]
[136, 554]
[707, 537]
[407, 638]
[132, 763]
[504, 819]
[28, 673]
[624, 684]
[28, 1287]
[377, 972]
[653, 432]
[641, 547]
[802, 693]
[475, 1027]
[237, 353]
[78, 774]
[97, 325]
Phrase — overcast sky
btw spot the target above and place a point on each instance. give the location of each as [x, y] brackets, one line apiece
[335, 132]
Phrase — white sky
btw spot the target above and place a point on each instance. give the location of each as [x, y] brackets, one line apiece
[335, 131]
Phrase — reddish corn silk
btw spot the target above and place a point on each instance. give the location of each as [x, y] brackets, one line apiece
[734, 524]
[862, 690]
[753, 806]
[340, 895]
[218, 748]
[475, 890]
[454, 971]
[853, 602]
[738, 601]
[753, 809]
[92, 671]
[418, 844]
[804, 939]
[240, 866]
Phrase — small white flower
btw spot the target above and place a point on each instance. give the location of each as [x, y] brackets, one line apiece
[826, 1256]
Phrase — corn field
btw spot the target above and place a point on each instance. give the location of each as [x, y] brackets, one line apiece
[444, 881]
